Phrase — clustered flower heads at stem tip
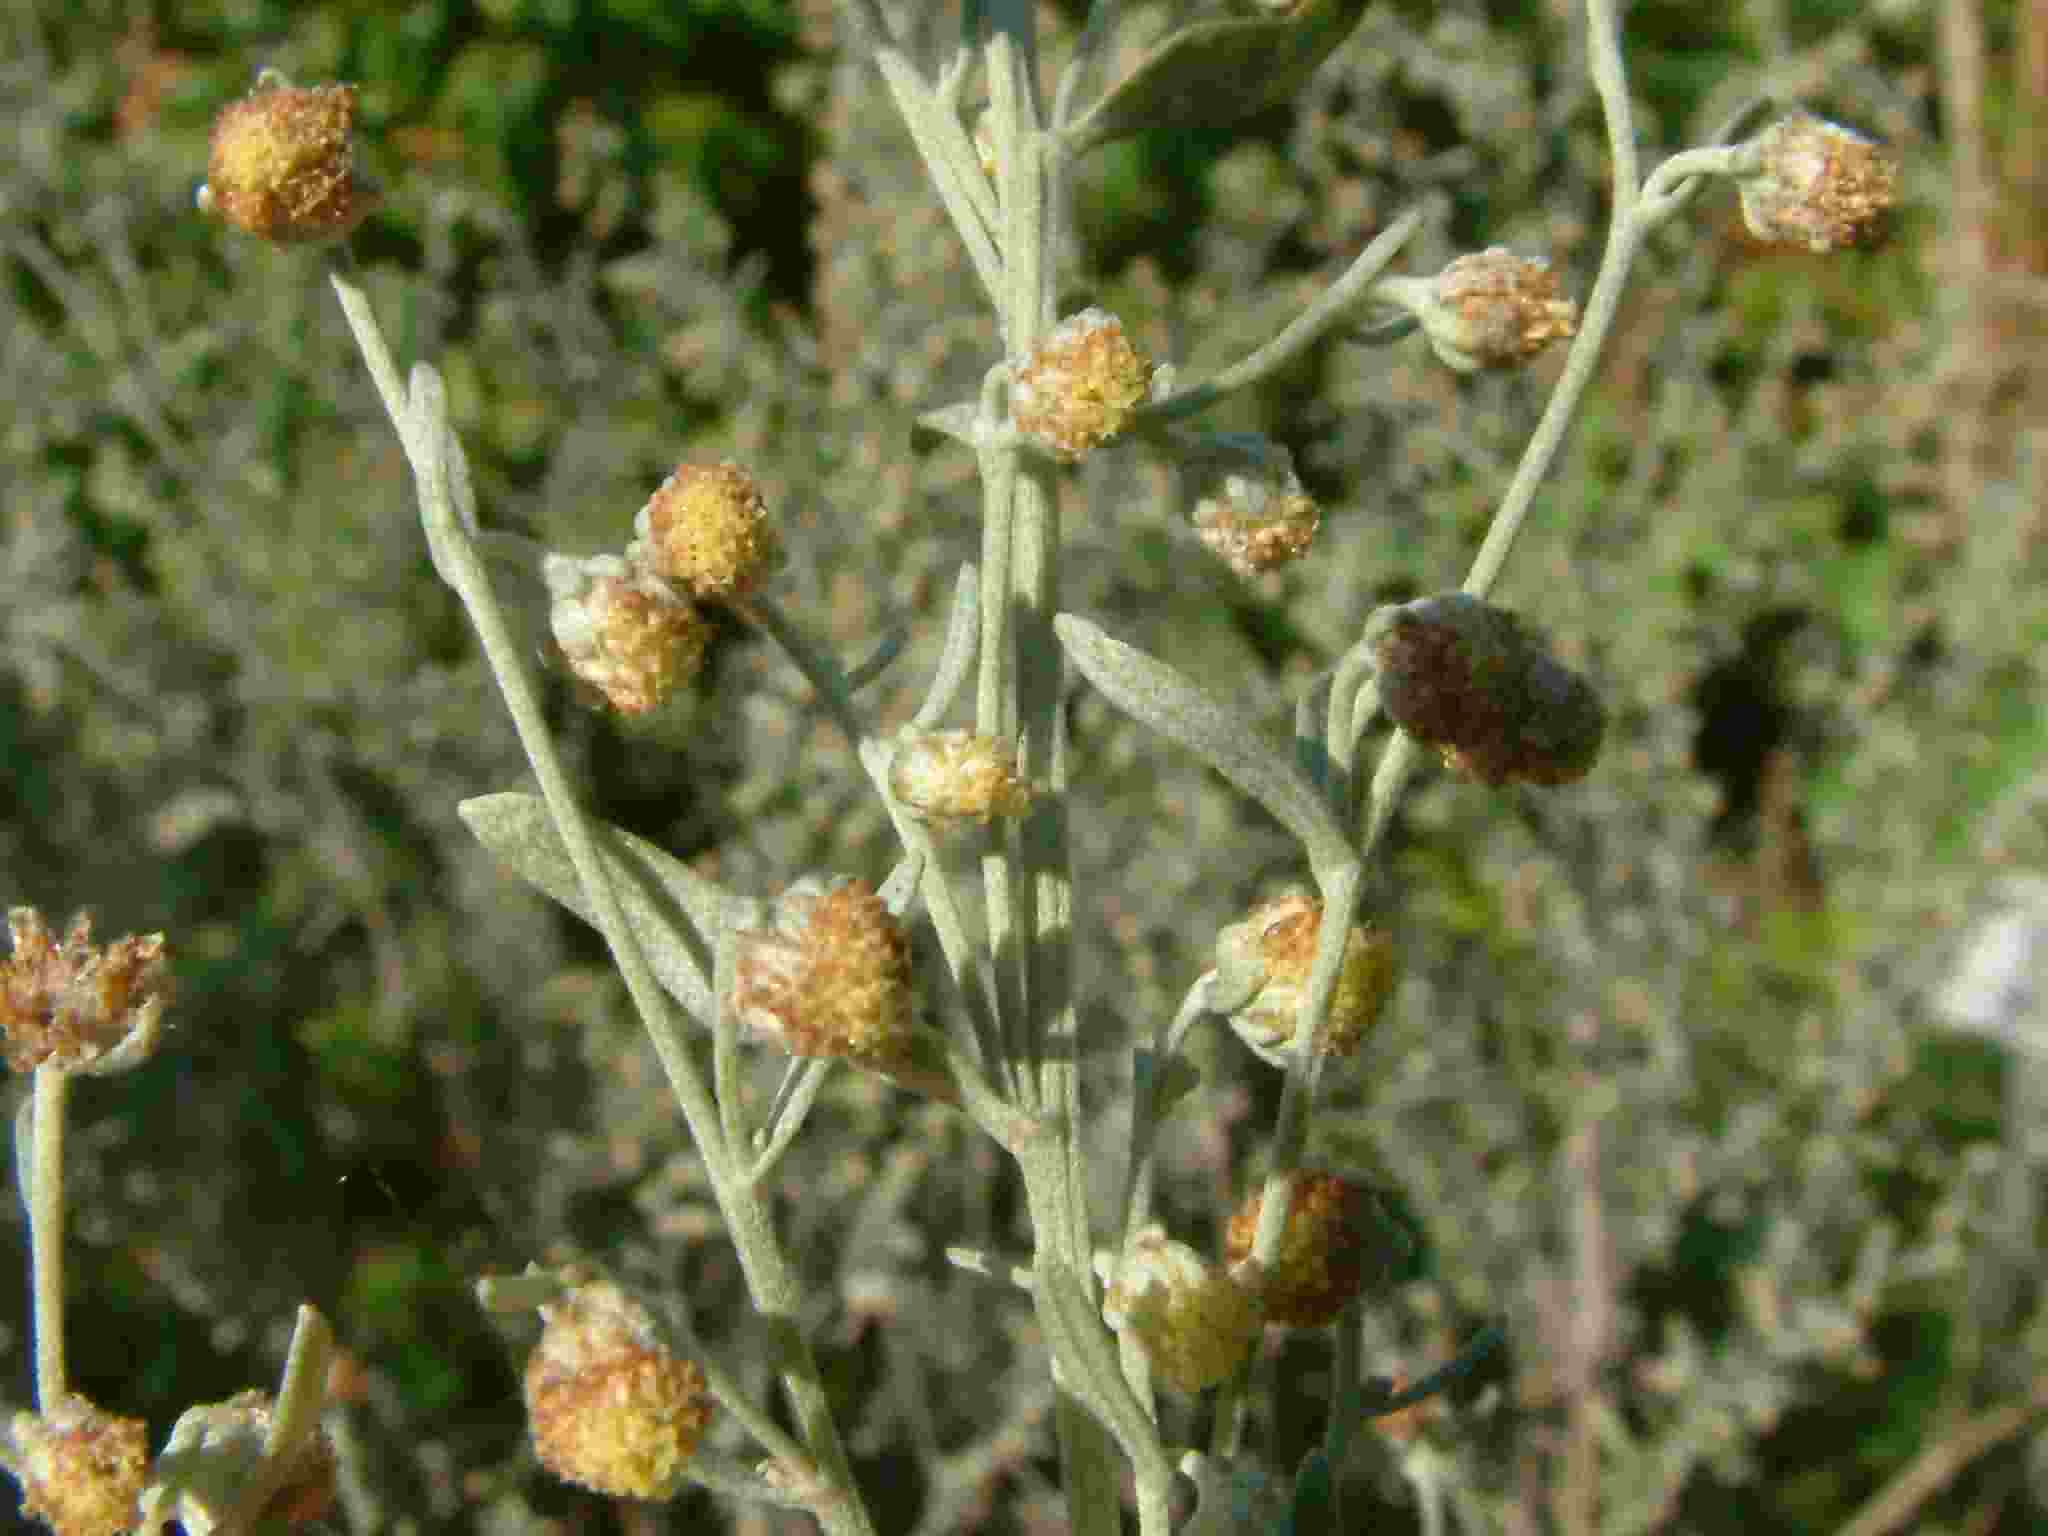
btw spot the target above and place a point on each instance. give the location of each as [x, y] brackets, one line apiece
[829, 975]
[623, 633]
[78, 1007]
[627, 626]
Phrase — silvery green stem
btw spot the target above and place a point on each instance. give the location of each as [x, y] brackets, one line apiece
[1625, 236]
[301, 1398]
[302, 1393]
[726, 1077]
[973, 977]
[957, 656]
[1340, 889]
[725, 1386]
[735, 1477]
[1030, 906]
[1146, 1106]
[421, 419]
[1331, 308]
[46, 1229]
[801, 1085]
[949, 155]
[1625, 233]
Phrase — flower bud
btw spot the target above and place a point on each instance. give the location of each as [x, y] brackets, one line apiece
[706, 531]
[81, 1469]
[1475, 682]
[215, 1458]
[1820, 186]
[1322, 1260]
[1262, 969]
[953, 776]
[1080, 386]
[623, 632]
[829, 977]
[1250, 508]
[1488, 309]
[610, 1405]
[282, 163]
[77, 1007]
[1195, 1323]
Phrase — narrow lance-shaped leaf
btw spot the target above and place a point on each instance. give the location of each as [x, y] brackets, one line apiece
[1215, 72]
[1157, 695]
[670, 906]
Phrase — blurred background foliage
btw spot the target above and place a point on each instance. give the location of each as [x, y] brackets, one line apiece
[1664, 1088]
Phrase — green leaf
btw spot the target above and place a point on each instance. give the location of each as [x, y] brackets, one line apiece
[1216, 72]
[670, 906]
[1156, 695]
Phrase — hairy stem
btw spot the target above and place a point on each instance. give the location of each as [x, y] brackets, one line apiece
[46, 1230]
[422, 425]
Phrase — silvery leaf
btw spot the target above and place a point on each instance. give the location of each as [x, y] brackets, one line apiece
[1157, 695]
[1215, 72]
[671, 907]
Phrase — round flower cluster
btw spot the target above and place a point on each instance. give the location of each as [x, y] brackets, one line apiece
[830, 976]
[951, 776]
[1194, 1321]
[1080, 386]
[1478, 684]
[75, 1006]
[282, 163]
[1262, 968]
[1819, 185]
[629, 628]
[1325, 1254]
[610, 1405]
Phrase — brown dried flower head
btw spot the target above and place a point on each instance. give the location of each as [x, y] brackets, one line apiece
[1821, 186]
[215, 1458]
[829, 977]
[1250, 507]
[610, 1405]
[1194, 1321]
[1478, 684]
[1487, 309]
[282, 163]
[1265, 961]
[625, 634]
[1324, 1251]
[77, 1007]
[954, 776]
[1080, 386]
[81, 1469]
[706, 531]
